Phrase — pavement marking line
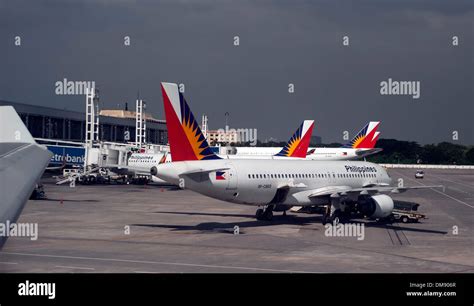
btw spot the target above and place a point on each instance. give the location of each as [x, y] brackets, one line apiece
[8, 263]
[71, 267]
[462, 184]
[440, 192]
[157, 262]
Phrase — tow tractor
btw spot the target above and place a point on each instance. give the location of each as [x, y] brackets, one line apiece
[406, 212]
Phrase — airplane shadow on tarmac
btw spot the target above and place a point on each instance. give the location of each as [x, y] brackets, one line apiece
[396, 227]
[191, 213]
[66, 200]
[228, 227]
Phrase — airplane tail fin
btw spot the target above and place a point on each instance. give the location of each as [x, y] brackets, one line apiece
[184, 134]
[365, 138]
[374, 140]
[298, 144]
[13, 129]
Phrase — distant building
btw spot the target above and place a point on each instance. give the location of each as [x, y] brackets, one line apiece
[270, 140]
[120, 113]
[222, 136]
[53, 123]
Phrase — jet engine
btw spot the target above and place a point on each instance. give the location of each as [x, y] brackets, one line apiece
[376, 206]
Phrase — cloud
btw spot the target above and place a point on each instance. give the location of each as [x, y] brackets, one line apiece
[281, 42]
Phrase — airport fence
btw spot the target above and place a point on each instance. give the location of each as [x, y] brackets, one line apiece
[420, 166]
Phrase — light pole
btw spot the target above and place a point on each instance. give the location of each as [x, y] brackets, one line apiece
[226, 127]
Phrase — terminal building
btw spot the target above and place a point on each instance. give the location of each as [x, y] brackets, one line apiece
[114, 125]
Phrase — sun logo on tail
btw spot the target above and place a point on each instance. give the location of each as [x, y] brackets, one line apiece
[297, 146]
[290, 146]
[193, 133]
[357, 141]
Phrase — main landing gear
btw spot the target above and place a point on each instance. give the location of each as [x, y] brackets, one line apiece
[265, 214]
[332, 218]
[334, 212]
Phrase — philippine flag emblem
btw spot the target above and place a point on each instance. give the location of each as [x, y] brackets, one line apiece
[220, 175]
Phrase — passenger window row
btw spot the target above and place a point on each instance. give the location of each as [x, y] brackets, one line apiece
[310, 175]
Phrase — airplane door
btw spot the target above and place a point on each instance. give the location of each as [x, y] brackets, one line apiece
[231, 178]
[331, 177]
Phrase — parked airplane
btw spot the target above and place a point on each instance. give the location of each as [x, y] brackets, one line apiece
[296, 147]
[362, 145]
[141, 165]
[350, 187]
[144, 163]
[22, 162]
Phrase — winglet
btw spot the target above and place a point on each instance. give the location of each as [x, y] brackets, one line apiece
[184, 134]
[298, 144]
[22, 162]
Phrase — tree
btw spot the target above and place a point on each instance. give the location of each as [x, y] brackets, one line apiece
[469, 157]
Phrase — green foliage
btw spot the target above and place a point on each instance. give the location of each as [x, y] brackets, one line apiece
[409, 152]
[406, 152]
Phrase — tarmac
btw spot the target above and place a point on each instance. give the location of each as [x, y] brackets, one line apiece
[155, 229]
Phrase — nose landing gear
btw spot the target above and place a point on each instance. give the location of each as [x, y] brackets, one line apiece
[265, 214]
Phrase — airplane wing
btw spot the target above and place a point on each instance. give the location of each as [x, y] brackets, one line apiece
[325, 193]
[22, 162]
[283, 190]
[291, 184]
[345, 190]
[367, 152]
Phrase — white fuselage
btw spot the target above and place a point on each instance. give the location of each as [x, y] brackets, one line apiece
[318, 154]
[142, 163]
[255, 182]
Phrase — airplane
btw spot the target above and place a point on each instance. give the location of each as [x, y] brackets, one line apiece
[348, 187]
[296, 147]
[360, 146]
[22, 163]
[144, 164]
[141, 165]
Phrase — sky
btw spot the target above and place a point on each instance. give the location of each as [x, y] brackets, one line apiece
[280, 43]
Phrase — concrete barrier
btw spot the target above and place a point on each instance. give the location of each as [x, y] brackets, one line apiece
[420, 166]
